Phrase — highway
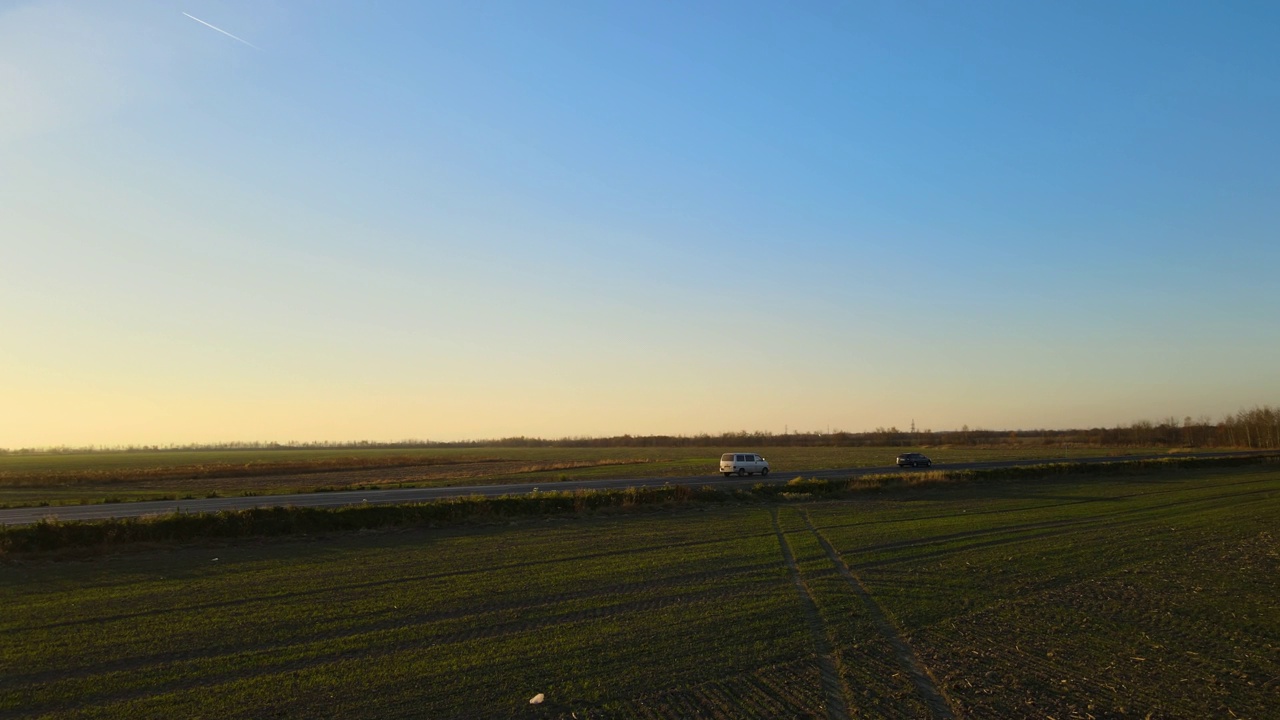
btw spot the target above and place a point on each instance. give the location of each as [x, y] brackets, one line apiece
[394, 496]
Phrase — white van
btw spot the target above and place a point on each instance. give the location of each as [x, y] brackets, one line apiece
[743, 464]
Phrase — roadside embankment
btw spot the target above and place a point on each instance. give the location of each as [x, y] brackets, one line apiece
[53, 535]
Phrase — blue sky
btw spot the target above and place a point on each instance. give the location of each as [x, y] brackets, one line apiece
[388, 220]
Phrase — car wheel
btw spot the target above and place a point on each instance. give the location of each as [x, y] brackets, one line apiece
[764, 472]
[742, 472]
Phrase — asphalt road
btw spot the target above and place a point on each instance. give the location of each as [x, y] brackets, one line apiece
[30, 515]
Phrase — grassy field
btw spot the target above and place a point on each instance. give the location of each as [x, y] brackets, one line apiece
[1105, 597]
[70, 478]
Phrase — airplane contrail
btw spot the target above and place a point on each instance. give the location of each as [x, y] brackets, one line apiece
[224, 32]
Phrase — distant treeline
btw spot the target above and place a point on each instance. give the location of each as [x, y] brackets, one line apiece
[1255, 428]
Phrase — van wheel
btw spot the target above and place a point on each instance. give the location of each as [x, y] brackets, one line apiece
[764, 472]
[728, 474]
[742, 472]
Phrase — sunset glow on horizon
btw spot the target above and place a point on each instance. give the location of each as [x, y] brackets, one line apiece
[456, 221]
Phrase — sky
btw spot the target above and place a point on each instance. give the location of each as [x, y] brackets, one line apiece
[234, 220]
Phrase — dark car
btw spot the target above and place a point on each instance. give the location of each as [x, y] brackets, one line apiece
[913, 460]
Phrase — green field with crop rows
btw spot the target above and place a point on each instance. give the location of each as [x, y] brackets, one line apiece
[1091, 596]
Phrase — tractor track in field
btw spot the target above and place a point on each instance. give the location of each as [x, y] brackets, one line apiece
[385, 583]
[410, 619]
[1081, 501]
[290, 662]
[833, 688]
[1165, 637]
[1018, 533]
[927, 687]
[778, 691]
